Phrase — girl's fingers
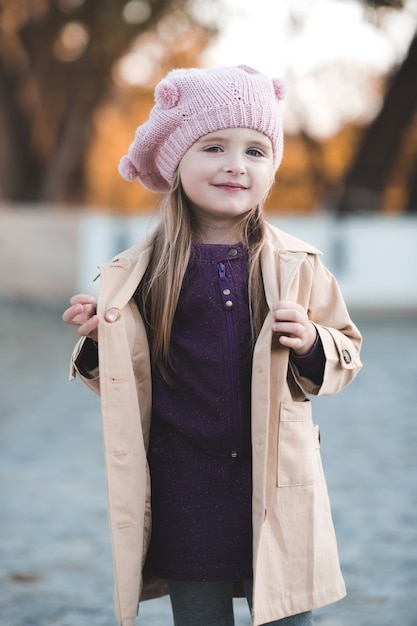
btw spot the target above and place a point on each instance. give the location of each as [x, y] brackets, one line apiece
[71, 313]
[79, 313]
[82, 298]
[89, 328]
[82, 313]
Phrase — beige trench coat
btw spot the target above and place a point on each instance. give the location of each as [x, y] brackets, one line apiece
[296, 566]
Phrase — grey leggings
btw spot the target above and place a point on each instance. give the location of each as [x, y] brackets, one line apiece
[211, 604]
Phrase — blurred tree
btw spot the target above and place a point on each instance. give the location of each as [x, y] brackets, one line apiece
[178, 42]
[369, 173]
[56, 64]
[311, 172]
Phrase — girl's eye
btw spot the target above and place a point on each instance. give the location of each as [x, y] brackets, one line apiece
[254, 152]
[212, 149]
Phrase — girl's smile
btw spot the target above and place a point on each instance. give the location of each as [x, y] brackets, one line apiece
[231, 186]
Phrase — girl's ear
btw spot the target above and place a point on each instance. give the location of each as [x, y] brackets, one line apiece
[176, 183]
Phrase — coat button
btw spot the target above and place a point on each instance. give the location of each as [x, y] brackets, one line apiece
[347, 356]
[232, 252]
[112, 315]
[229, 304]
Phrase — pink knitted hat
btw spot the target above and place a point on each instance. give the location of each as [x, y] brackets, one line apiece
[191, 103]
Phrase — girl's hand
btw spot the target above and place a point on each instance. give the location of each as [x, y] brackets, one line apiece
[82, 313]
[293, 327]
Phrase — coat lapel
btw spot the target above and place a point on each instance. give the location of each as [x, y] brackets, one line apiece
[117, 290]
[279, 266]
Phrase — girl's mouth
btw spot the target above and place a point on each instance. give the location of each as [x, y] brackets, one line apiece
[231, 186]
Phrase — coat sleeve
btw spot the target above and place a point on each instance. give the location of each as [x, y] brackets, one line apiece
[85, 365]
[340, 337]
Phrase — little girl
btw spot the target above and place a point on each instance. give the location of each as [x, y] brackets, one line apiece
[204, 344]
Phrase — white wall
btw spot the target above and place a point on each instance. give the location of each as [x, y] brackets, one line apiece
[50, 254]
[373, 258]
[38, 253]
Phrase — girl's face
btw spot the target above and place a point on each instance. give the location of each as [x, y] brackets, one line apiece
[226, 173]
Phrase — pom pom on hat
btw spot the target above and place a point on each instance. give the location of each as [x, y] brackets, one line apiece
[127, 169]
[166, 94]
[280, 88]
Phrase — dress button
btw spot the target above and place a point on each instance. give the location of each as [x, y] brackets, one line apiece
[229, 303]
[226, 292]
[347, 356]
[232, 252]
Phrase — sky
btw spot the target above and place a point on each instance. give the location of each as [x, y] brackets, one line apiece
[329, 54]
[260, 33]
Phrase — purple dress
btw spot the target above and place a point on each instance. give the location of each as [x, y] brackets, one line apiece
[200, 448]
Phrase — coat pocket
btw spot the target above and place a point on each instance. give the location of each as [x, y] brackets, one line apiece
[298, 461]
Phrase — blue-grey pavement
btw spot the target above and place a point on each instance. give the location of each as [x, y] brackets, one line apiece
[55, 555]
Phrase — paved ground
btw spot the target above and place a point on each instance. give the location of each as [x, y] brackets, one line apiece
[55, 561]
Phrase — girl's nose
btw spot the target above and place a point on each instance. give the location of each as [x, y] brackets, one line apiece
[235, 167]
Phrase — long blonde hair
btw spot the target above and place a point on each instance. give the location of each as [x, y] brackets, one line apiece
[161, 285]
